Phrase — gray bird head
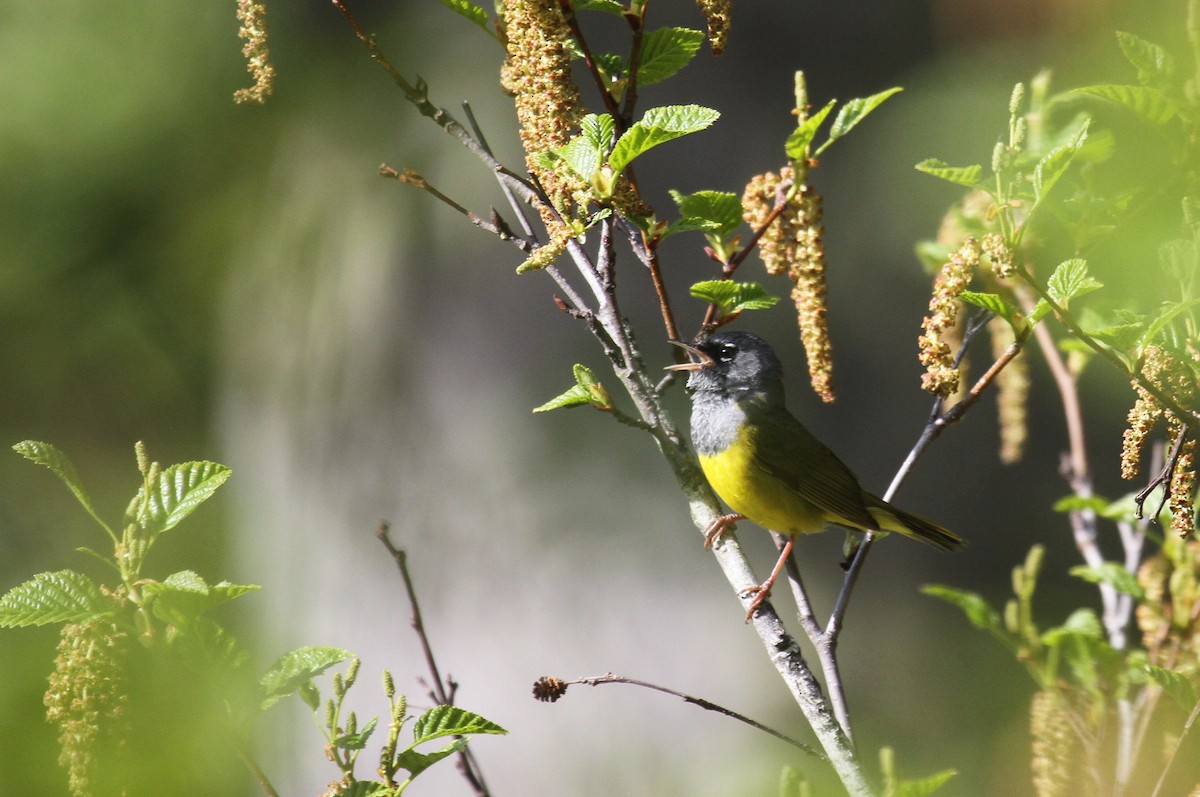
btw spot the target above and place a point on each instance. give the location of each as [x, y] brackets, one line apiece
[733, 364]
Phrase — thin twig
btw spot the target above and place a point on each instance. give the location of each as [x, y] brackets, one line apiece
[611, 678]
[418, 95]
[496, 227]
[517, 207]
[933, 429]
[443, 690]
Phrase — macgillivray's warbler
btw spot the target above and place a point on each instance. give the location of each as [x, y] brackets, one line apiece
[766, 466]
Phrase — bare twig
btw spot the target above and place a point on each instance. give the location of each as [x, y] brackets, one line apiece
[708, 705]
[418, 95]
[443, 689]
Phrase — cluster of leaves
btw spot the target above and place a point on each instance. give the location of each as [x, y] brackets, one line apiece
[1104, 687]
[345, 739]
[171, 617]
[1052, 141]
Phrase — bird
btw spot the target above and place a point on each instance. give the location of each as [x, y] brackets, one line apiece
[766, 466]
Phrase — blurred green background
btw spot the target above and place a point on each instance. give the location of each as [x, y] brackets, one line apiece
[236, 283]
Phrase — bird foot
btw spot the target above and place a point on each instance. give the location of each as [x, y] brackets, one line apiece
[760, 592]
[718, 527]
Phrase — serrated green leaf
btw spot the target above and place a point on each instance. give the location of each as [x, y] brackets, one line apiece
[64, 596]
[472, 12]
[800, 140]
[1153, 63]
[611, 64]
[598, 129]
[977, 610]
[1145, 102]
[854, 112]
[1113, 574]
[184, 596]
[176, 494]
[922, 787]
[734, 297]
[47, 455]
[416, 763]
[582, 156]
[586, 390]
[291, 670]
[441, 721]
[721, 211]
[994, 303]
[658, 126]
[959, 175]
[1177, 685]
[366, 788]
[665, 51]
[1056, 162]
[357, 741]
[1070, 280]
[572, 397]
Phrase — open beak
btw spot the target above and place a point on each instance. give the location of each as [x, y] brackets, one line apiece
[704, 361]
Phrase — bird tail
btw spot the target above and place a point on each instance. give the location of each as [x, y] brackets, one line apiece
[890, 518]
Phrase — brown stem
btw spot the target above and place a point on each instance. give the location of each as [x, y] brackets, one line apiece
[443, 690]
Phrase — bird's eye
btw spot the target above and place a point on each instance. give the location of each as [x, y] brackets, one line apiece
[726, 352]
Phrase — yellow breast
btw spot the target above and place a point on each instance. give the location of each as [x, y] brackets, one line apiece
[753, 492]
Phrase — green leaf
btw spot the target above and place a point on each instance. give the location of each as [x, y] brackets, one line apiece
[734, 297]
[598, 129]
[658, 126]
[184, 596]
[176, 494]
[441, 721]
[665, 51]
[292, 670]
[718, 211]
[1153, 63]
[416, 763]
[1054, 165]
[921, 787]
[1070, 280]
[204, 642]
[1166, 314]
[959, 175]
[1113, 574]
[587, 390]
[1081, 623]
[60, 597]
[798, 143]
[855, 111]
[472, 12]
[977, 610]
[49, 456]
[1079, 503]
[994, 303]
[356, 741]
[582, 156]
[1148, 104]
[1181, 690]
[572, 397]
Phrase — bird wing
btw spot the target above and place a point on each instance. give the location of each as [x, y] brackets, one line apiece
[789, 453]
